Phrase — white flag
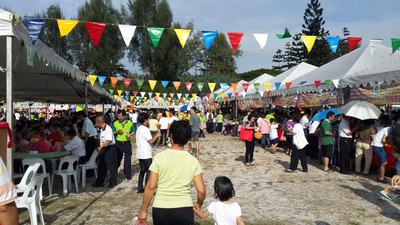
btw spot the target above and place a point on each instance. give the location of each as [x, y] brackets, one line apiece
[261, 39]
[336, 83]
[373, 44]
[127, 32]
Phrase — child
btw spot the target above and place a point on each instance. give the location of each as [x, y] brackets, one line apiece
[223, 211]
[273, 132]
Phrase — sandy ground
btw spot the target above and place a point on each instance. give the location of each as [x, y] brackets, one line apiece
[266, 193]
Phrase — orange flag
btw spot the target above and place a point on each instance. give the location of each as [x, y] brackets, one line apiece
[234, 86]
[114, 81]
[288, 84]
[177, 84]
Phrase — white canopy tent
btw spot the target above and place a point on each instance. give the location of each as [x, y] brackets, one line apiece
[230, 90]
[251, 91]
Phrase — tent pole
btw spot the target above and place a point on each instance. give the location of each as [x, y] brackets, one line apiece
[9, 99]
[86, 96]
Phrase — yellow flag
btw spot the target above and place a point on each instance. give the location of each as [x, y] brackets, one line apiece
[211, 86]
[309, 41]
[158, 94]
[152, 84]
[92, 79]
[183, 35]
[222, 95]
[267, 86]
[65, 26]
[131, 98]
[194, 95]
[119, 92]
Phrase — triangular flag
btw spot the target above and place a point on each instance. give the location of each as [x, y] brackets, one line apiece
[309, 41]
[150, 94]
[134, 93]
[303, 82]
[95, 31]
[244, 94]
[336, 83]
[65, 26]
[261, 39]
[235, 38]
[155, 35]
[131, 98]
[224, 86]
[142, 93]
[215, 96]
[92, 79]
[111, 91]
[395, 44]
[200, 86]
[179, 95]
[139, 83]
[236, 94]
[211, 86]
[186, 95]
[277, 85]
[34, 26]
[158, 94]
[127, 32]
[177, 84]
[188, 85]
[152, 84]
[127, 97]
[288, 84]
[286, 34]
[208, 38]
[256, 86]
[127, 82]
[245, 86]
[268, 93]
[333, 42]
[261, 93]
[328, 83]
[119, 92]
[183, 35]
[222, 95]
[101, 80]
[234, 86]
[229, 95]
[114, 81]
[127, 93]
[164, 95]
[267, 86]
[171, 94]
[317, 83]
[373, 44]
[194, 96]
[353, 42]
[164, 83]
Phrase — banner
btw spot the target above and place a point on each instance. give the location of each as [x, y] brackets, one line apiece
[246, 104]
[388, 94]
[95, 31]
[155, 35]
[235, 38]
[183, 35]
[285, 101]
[66, 26]
[308, 100]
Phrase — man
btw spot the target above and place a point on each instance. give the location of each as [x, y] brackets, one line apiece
[8, 209]
[195, 125]
[134, 118]
[75, 145]
[220, 121]
[346, 142]
[144, 140]
[305, 122]
[327, 138]
[171, 119]
[88, 134]
[123, 129]
[107, 155]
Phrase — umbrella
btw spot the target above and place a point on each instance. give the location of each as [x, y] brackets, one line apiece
[361, 110]
[184, 108]
[322, 115]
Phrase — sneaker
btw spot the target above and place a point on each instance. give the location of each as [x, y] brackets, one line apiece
[289, 171]
[140, 191]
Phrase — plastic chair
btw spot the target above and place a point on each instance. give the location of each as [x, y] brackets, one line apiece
[72, 170]
[29, 174]
[31, 200]
[90, 165]
[31, 161]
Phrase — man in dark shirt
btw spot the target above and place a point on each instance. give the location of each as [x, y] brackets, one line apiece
[195, 125]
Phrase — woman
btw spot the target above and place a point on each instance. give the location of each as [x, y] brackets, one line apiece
[298, 146]
[251, 124]
[364, 137]
[172, 172]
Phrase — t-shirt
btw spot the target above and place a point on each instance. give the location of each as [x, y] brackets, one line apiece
[163, 123]
[143, 136]
[273, 131]
[88, 128]
[176, 171]
[299, 138]
[224, 213]
[305, 122]
[195, 122]
[264, 125]
[220, 118]
[127, 128]
[107, 135]
[153, 125]
[377, 142]
[172, 119]
[326, 127]
[76, 146]
[344, 128]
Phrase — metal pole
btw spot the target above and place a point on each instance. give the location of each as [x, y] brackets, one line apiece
[9, 99]
[86, 95]
[29, 110]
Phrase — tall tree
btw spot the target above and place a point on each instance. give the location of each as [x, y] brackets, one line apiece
[298, 53]
[343, 47]
[278, 59]
[105, 59]
[287, 51]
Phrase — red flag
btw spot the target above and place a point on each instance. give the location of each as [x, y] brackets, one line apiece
[317, 83]
[95, 31]
[268, 93]
[127, 82]
[188, 85]
[237, 94]
[135, 93]
[245, 86]
[235, 38]
[353, 42]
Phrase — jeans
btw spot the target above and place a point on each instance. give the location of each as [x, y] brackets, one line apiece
[144, 170]
[265, 140]
[345, 149]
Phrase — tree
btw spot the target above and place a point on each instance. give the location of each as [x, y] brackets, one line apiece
[343, 47]
[298, 52]
[287, 64]
[105, 59]
[278, 58]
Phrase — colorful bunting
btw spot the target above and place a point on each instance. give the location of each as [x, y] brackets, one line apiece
[224, 86]
[155, 35]
[164, 95]
[353, 42]
[200, 86]
[131, 98]
[229, 95]
[179, 95]
[152, 84]
[236, 95]
[127, 32]
[235, 38]
[245, 86]
[135, 93]
[139, 83]
[234, 86]
[119, 92]
[328, 83]
[66, 26]
[188, 85]
[261, 93]
[114, 81]
[373, 44]
[194, 96]
[261, 39]
[303, 82]
[142, 93]
[127, 82]
[336, 83]
[286, 34]
[164, 83]
[288, 84]
[101, 80]
[183, 35]
[95, 31]
[177, 84]
[309, 41]
[395, 44]
[92, 79]
[333, 43]
[267, 86]
[172, 95]
[208, 38]
[317, 83]
[256, 86]
[277, 85]
[150, 94]
[127, 93]
[211, 86]
[34, 26]
[111, 91]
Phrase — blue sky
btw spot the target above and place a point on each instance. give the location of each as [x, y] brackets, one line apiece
[365, 18]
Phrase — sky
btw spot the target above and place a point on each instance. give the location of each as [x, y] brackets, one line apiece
[368, 19]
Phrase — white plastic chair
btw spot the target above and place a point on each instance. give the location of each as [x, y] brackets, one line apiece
[72, 170]
[31, 161]
[31, 200]
[90, 165]
[29, 174]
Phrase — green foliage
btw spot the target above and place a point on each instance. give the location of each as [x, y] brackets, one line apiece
[248, 76]
[278, 59]
[343, 47]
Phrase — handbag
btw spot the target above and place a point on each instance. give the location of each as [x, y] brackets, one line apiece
[246, 134]
[258, 135]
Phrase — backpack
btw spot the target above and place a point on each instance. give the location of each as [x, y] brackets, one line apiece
[394, 133]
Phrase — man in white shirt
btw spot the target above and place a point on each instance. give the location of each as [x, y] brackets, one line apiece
[378, 148]
[298, 148]
[107, 155]
[305, 122]
[345, 143]
[144, 140]
[171, 119]
[163, 122]
[134, 116]
[75, 145]
[88, 134]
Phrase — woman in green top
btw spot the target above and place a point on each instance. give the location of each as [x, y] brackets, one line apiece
[172, 173]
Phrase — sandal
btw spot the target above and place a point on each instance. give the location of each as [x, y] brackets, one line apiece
[252, 164]
[247, 164]
[326, 170]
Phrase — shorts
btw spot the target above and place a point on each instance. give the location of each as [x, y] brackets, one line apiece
[274, 141]
[327, 151]
[195, 135]
[380, 153]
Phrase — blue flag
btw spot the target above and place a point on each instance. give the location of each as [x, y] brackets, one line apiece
[333, 42]
[34, 26]
[209, 37]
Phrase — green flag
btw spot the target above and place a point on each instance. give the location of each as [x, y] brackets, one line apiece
[256, 86]
[395, 44]
[328, 83]
[139, 83]
[286, 34]
[111, 91]
[200, 86]
[155, 35]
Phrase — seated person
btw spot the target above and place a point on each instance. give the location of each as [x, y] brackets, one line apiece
[39, 143]
[75, 145]
[20, 143]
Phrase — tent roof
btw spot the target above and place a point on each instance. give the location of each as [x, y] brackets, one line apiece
[50, 79]
[251, 91]
[360, 66]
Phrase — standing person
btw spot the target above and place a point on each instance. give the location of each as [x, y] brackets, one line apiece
[224, 211]
[220, 121]
[154, 127]
[251, 124]
[378, 143]
[327, 138]
[364, 137]
[144, 140]
[288, 134]
[195, 125]
[210, 122]
[264, 127]
[273, 133]
[305, 122]
[107, 155]
[171, 119]
[123, 129]
[8, 209]
[245, 118]
[345, 143]
[88, 134]
[313, 140]
[163, 122]
[134, 119]
[299, 144]
[202, 125]
[172, 173]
